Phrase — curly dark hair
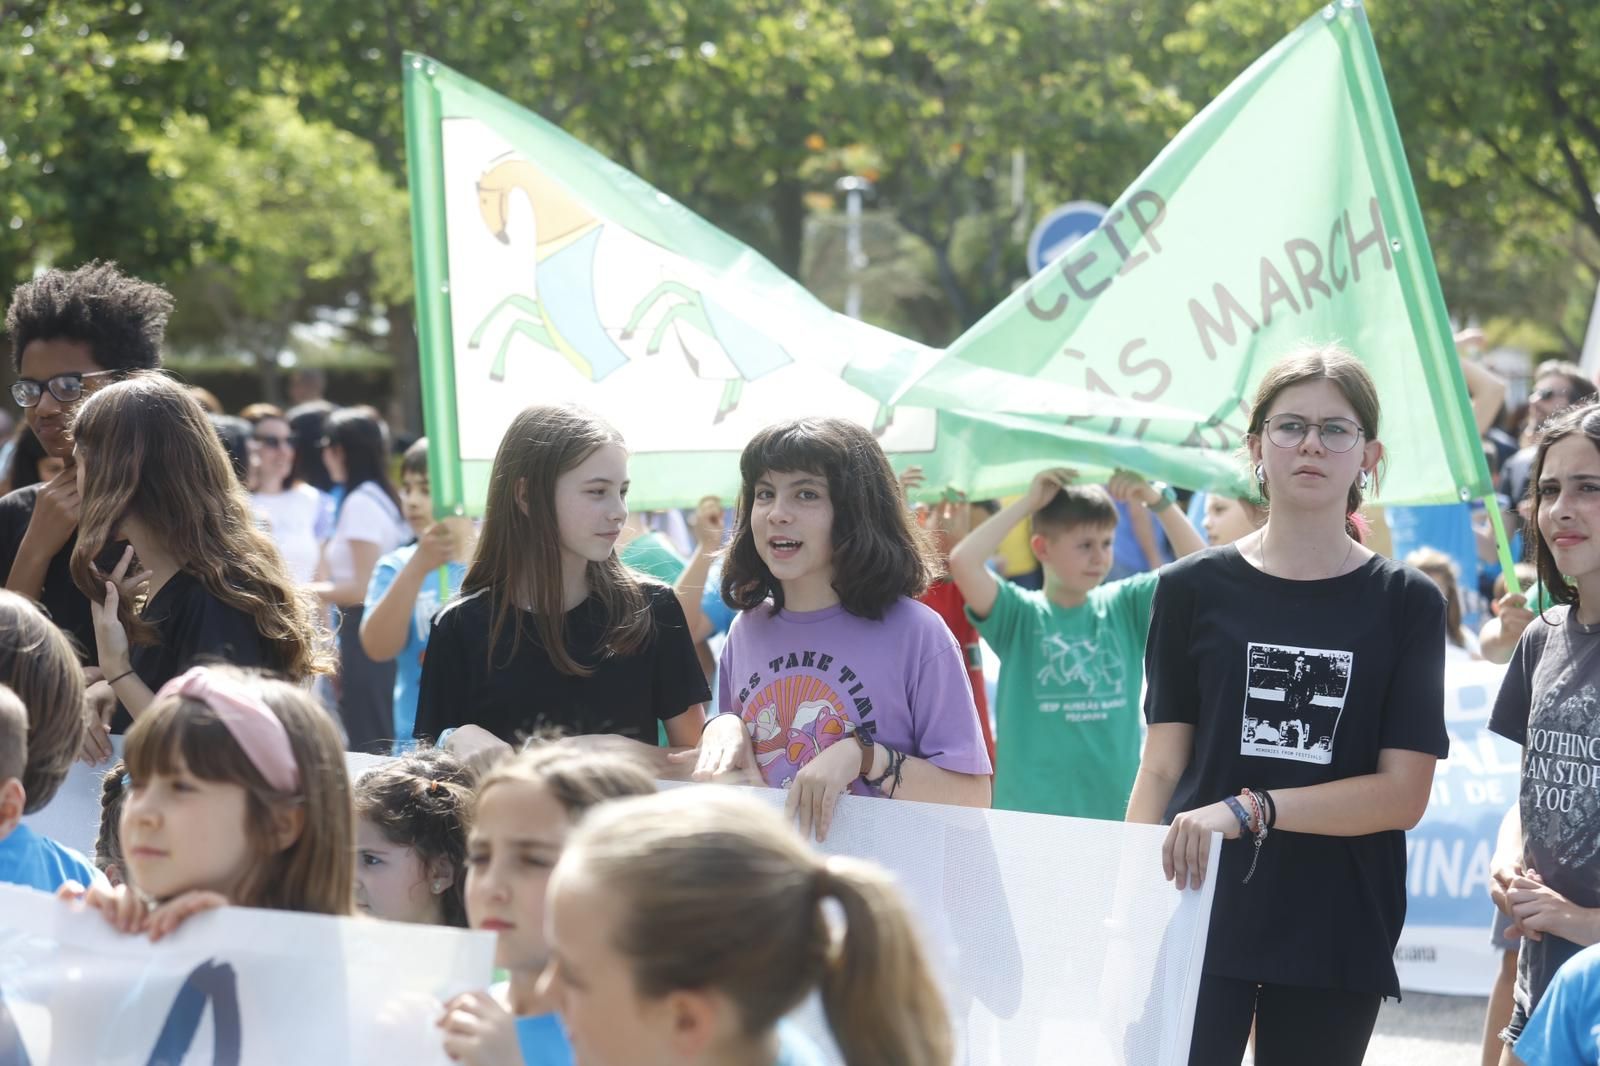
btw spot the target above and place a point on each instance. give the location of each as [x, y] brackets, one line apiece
[421, 801]
[879, 554]
[122, 319]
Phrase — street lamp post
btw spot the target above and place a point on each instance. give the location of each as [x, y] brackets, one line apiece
[854, 187]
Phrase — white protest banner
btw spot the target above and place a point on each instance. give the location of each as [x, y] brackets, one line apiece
[1444, 947]
[1057, 939]
[232, 987]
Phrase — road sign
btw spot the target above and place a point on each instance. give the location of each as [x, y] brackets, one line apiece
[1060, 230]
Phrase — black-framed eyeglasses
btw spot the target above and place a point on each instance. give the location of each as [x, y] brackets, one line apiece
[1336, 434]
[1541, 395]
[266, 440]
[66, 388]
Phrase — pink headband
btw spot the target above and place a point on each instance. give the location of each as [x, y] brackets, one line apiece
[257, 730]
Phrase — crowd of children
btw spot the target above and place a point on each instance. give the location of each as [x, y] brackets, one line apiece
[533, 686]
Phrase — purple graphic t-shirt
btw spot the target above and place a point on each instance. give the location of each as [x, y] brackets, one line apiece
[801, 679]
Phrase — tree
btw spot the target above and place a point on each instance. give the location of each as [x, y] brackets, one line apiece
[299, 212]
[1495, 101]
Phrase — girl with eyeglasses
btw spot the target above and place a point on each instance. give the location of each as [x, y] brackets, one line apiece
[71, 332]
[1296, 706]
[298, 515]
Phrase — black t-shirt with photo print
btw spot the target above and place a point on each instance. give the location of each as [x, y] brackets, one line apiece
[1549, 703]
[524, 694]
[1289, 684]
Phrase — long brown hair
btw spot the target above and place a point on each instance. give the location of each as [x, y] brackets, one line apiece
[421, 801]
[1323, 362]
[519, 553]
[1561, 425]
[38, 663]
[879, 554]
[150, 453]
[670, 861]
[316, 873]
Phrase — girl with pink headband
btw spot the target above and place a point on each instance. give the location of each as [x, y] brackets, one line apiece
[237, 794]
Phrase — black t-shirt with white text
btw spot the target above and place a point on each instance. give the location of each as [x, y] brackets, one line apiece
[1290, 684]
[1549, 703]
[193, 628]
[626, 695]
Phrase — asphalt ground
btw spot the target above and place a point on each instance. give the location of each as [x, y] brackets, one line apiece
[1424, 1030]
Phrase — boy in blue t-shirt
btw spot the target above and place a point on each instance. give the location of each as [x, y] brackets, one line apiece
[1071, 656]
[26, 858]
[1565, 1027]
[410, 584]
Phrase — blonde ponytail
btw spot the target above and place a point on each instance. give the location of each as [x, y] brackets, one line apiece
[879, 995]
[716, 891]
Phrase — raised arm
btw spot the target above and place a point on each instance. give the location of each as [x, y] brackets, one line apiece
[969, 560]
[1486, 390]
[691, 584]
[1130, 487]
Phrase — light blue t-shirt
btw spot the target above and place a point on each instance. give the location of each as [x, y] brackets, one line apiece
[26, 858]
[543, 1041]
[712, 605]
[1127, 557]
[408, 665]
[1565, 1027]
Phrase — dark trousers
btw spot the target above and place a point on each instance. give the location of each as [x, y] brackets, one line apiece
[1294, 1026]
[366, 691]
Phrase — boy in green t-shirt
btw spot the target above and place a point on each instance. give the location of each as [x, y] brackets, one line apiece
[1072, 656]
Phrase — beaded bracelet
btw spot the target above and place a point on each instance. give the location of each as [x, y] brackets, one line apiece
[1260, 833]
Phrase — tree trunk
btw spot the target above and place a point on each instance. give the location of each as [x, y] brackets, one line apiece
[405, 400]
[789, 210]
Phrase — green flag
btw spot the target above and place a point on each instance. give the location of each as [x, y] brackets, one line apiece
[547, 273]
[1282, 214]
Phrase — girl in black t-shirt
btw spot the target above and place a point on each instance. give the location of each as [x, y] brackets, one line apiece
[551, 630]
[152, 470]
[1548, 883]
[1296, 706]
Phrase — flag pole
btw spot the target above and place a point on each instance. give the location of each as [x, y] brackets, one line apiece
[1508, 566]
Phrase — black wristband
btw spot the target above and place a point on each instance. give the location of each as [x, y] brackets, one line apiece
[119, 677]
[1271, 806]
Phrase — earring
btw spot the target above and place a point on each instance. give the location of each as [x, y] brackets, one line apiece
[438, 886]
[1261, 475]
[1364, 480]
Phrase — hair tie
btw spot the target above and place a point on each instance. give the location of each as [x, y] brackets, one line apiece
[258, 732]
[436, 789]
[1359, 523]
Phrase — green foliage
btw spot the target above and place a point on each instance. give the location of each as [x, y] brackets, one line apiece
[250, 153]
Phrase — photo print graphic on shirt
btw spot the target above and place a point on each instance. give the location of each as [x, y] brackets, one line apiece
[1561, 774]
[1293, 699]
[1082, 678]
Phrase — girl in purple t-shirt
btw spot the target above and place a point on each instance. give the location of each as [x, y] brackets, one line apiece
[832, 645]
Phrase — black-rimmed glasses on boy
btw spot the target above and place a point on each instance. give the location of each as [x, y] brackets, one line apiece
[66, 388]
[1336, 434]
